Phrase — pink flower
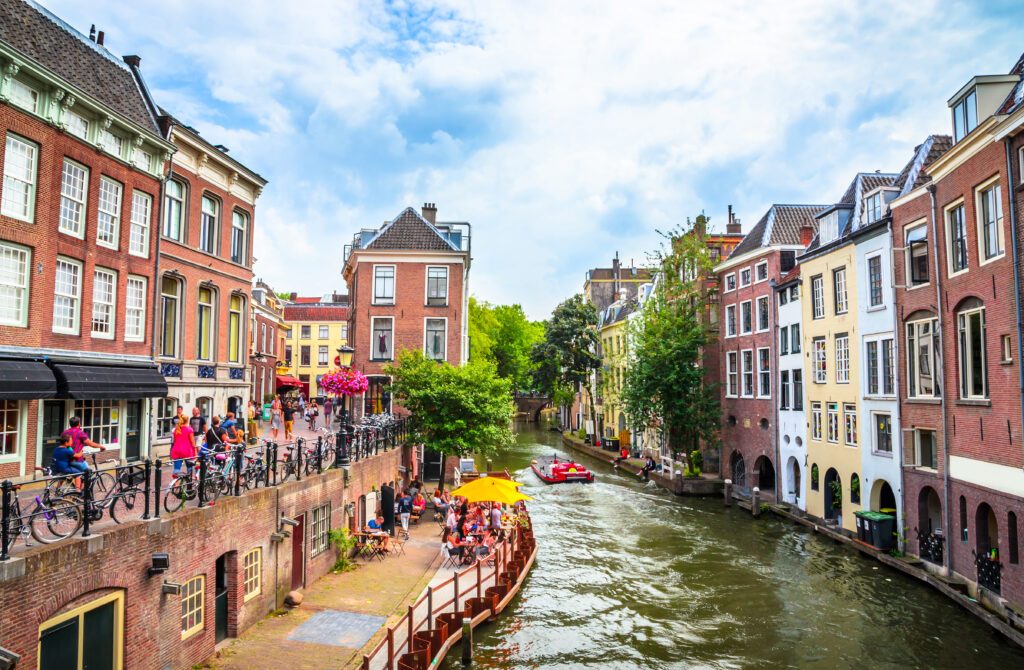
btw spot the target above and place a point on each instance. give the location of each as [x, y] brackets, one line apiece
[345, 382]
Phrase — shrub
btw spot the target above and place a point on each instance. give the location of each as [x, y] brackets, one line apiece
[344, 542]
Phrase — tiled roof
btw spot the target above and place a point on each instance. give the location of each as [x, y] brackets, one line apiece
[617, 311]
[1015, 99]
[790, 276]
[866, 181]
[316, 312]
[780, 225]
[913, 173]
[409, 230]
[36, 33]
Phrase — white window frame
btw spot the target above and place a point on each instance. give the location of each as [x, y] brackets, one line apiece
[965, 364]
[947, 228]
[385, 300]
[180, 201]
[100, 302]
[783, 340]
[113, 211]
[26, 211]
[818, 297]
[239, 236]
[193, 597]
[842, 359]
[139, 310]
[832, 422]
[70, 199]
[748, 273]
[828, 228]
[731, 277]
[875, 418]
[76, 124]
[112, 143]
[426, 285]
[748, 328]
[141, 221]
[757, 271]
[444, 352]
[142, 159]
[819, 360]
[732, 374]
[764, 373]
[816, 420]
[323, 332]
[784, 394]
[211, 343]
[24, 95]
[979, 193]
[873, 207]
[794, 338]
[763, 301]
[908, 257]
[252, 574]
[840, 291]
[17, 287]
[319, 530]
[374, 320]
[747, 372]
[917, 448]
[178, 298]
[20, 410]
[731, 327]
[881, 281]
[209, 224]
[323, 355]
[850, 424]
[912, 359]
[76, 298]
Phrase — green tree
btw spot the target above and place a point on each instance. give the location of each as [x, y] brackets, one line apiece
[567, 355]
[502, 335]
[665, 385]
[456, 410]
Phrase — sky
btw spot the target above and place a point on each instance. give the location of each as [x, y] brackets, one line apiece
[563, 131]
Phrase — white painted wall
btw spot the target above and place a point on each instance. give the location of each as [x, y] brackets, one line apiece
[792, 424]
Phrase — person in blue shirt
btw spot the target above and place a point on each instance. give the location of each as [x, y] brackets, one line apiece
[64, 462]
[405, 511]
[376, 527]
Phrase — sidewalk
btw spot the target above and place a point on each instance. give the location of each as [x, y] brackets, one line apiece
[340, 614]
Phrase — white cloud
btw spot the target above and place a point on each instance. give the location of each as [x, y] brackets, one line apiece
[564, 131]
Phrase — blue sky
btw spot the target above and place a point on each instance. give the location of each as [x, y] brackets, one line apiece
[563, 131]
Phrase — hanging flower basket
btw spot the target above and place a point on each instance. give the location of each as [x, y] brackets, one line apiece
[344, 382]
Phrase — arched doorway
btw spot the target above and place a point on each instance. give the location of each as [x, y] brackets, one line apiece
[738, 468]
[882, 497]
[987, 547]
[792, 480]
[930, 538]
[765, 473]
[833, 494]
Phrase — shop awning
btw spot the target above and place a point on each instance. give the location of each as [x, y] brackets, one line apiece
[26, 380]
[292, 382]
[108, 382]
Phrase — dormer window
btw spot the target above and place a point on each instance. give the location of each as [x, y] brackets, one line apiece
[828, 228]
[872, 208]
[965, 115]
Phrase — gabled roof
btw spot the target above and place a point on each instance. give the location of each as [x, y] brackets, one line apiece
[38, 35]
[913, 173]
[1015, 98]
[410, 231]
[617, 311]
[780, 225]
[853, 199]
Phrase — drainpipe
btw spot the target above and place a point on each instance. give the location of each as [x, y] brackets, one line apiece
[158, 231]
[947, 513]
[778, 391]
[896, 380]
[1016, 266]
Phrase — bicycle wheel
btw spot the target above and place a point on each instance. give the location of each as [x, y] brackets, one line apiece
[252, 476]
[102, 484]
[212, 487]
[176, 496]
[127, 505]
[287, 470]
[60, 519]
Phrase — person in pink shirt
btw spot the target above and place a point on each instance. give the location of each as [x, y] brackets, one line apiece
[184, 444]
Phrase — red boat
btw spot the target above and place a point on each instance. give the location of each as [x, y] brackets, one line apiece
[555, 470]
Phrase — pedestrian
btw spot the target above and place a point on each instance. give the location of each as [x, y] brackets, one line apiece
[328, 406]
[233, 430]
[80, 440]
[302, 403]
[405, 511]
[276, 418]
[314, 412]
[251, 425]
[288, 412]
[197, 423]
[183, 445]
[496, 517]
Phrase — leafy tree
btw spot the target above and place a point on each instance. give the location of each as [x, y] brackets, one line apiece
[567, 354]
[665, 385]
[456, 410]
[284, 295]
[502, 335]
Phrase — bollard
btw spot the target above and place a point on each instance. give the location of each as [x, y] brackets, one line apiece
[158, 482]
[239, 453]
[300, 446]
[146, 490]
[272, 455]
[467, 643]
[755, 503]
[202, 481]
[5, 520]
[86, 502]
[727, 491]
[319, 454]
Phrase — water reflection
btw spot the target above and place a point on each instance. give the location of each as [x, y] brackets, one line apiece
[633, 577]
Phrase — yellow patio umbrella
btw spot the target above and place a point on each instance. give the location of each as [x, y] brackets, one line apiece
[491, 489]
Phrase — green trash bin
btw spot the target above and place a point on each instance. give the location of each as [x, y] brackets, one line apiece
[876, 529]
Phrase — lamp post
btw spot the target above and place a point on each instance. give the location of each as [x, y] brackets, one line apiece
[344, 360]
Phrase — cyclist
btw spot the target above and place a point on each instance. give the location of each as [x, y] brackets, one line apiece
[64, 462]
[183, 446]
[79, 440]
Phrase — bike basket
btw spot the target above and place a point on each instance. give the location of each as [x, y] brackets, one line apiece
[133, 477]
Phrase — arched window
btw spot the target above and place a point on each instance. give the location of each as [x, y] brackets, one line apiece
[206, 315]
[235, 329]
[209, 224]
[963, 519]
[170, 314]
[174, 210]
[1011, 530]
[855, 488]
[814, 477]
[239, 235]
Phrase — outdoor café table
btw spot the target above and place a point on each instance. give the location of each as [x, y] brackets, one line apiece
[371, 545]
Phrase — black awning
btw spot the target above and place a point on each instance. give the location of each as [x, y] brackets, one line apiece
[26, 380]
[108, 382]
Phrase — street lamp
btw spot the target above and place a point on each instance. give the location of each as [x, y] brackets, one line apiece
[344, 360]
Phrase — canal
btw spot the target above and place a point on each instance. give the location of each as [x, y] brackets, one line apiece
[629, 576]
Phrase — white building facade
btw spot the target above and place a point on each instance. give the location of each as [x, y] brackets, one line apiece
[792, 398]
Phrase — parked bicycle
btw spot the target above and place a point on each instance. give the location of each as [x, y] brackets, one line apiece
[186, 486]
[52, 518]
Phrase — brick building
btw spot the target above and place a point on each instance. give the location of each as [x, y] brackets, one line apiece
[206, 233]
[747, 326]
[82, 160]
[266, 341]
[315, 329]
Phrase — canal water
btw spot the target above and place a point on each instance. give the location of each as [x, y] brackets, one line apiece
[629, 576]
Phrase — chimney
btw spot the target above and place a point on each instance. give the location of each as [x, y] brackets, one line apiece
[133, 61]
[293, 296]
[733, 227]
[99, 38]
[616, 269]
[806, 235]
[430, 212]
[92, 33]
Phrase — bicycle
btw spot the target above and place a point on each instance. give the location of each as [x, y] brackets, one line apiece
[290, 466]
[185, 488]
[51, 520]
[255, 470]
[326, 457]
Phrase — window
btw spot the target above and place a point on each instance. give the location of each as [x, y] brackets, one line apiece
[304, 355]
[344, 332]
[730, 282]
[321, 355]
[747, 369]
[783, 297]
[142, 159]
[67, 296]
[794, 293]
[971, 339]
[170, 295]
[204, 324]
[794, 338]
[784, 389]
[252, 564]
[434, 343]
[850, 424]
[23, 95]
[1006, 346]
[818, 297]
[323, 332]
[820, 361]
[814, 477]
[305, 332]
[15, 266]
[208, 225]
[875, 281]
[319, 529]
[138, 236]
[888, 371]
[965, 116]
[916, 241]
[956, 239]
[746, 318]
[437, 286]
[76, 124]
[1011, 536]
[383, 284]
[263, 338]
[816, 421]
[990, 223]
[872, 208]
[10, 427]
[166, 415]
[235, 330]
[113, 144]
[288, 354]
[925, 449]
[19, 194]
[798, 390]
[833, 422]
[108, 217]
[872, 367]
[744, 277]
[732, 374]
[842, 359]
[382, 339]
[174, 209]
[239, 225]
[100, 419]
[761, 271]
[730, 320]
[764, 373]
[923, 359]
[762, 313]
[192, 605]
[839, 290]
[104, 300]
[883, 432]
[855, 488]
[828, 228]
[784, 340]
[74, 185]
[90, 636]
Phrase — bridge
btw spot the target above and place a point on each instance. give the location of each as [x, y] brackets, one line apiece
[528, 406]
